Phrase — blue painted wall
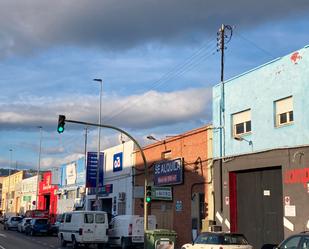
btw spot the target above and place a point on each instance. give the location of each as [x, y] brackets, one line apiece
[257, 90]
[80, 173]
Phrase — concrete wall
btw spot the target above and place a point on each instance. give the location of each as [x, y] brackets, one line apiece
[295, 179]
[257, 90]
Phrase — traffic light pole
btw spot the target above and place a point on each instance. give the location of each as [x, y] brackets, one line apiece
[138, 146]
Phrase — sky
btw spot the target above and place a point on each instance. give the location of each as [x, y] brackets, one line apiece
[158, 60]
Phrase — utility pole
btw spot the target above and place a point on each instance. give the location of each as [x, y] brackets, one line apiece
[222, 39]
[98, 155]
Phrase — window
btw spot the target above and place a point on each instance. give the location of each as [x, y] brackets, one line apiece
[166, 154]
[291, 243]
[88, 218]
[99, 218]
[305, 243]
[284, 111]
[68, 218]
[241, 123]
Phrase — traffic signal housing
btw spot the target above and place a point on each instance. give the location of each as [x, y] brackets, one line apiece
[148, 194]
[61, 123]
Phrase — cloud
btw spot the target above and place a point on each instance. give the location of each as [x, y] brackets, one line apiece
[26, 26]
[148, 110]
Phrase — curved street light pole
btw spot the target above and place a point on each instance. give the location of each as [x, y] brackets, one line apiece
[143, 157]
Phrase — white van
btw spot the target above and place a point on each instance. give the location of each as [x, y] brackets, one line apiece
[128, 230]
[83, 227]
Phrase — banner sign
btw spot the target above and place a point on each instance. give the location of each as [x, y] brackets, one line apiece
[162, 193]
[168, 172]
[71, 173]
[103, 191]
[117, 162]
[91, 173]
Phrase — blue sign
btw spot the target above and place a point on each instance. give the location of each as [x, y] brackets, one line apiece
[168, 172]
[91, 173]
[117, 162]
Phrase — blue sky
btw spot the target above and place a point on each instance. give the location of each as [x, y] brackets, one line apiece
[157, 59]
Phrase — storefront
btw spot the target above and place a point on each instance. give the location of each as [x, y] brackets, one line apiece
[115, 192]
[28, 194]
[47, 199]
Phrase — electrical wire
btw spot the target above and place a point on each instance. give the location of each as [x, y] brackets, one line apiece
[254, 44]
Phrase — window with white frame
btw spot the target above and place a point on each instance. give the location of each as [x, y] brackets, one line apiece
[284, 111]
[241, 123]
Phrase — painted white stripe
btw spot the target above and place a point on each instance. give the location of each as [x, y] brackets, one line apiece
[288, 224]
[219, 217]
[227, 223]
[2, 235]
[1, 247]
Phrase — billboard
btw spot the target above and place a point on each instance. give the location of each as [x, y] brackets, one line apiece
[169, 172]
[71, 173]
[91, 172]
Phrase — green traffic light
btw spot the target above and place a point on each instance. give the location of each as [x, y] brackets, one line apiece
[60, 129]
[148, 199]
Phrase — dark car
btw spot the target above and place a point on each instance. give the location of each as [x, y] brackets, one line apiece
[297, 241]
[38, 226]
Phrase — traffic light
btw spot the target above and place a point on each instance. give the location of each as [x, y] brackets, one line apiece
[61, 123]
[148, 194]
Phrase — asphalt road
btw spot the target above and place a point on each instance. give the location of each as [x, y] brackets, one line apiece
[16, 240]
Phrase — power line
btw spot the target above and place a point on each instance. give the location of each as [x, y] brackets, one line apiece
[190, 63]
[254, 44]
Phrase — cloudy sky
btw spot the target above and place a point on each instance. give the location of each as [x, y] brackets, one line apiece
[158, 61]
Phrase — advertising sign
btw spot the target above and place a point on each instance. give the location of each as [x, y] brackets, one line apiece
[162, 193]
[103, 191]
[168, 172]
[91, 173]
[71, 173]
[117, 162]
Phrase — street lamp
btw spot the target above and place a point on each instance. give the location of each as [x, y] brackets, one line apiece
[150, 137]
[9, 193]
[250, 143]
[38, 170]
[99, 139]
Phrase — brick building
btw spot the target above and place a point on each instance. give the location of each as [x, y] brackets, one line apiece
[182, 164]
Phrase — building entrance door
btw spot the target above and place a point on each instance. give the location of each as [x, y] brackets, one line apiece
[259, 206]
[164, 214]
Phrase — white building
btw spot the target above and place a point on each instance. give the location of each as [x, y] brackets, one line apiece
[116, 195]
[28, 193]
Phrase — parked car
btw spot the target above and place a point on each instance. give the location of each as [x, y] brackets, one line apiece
[219, 240]
[37, 226]
[84, 227]
[54, 228]
[22, 225]
[128, 230]
[296, 241]
[12, 222]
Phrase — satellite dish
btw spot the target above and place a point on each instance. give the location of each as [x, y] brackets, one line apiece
[121, 138]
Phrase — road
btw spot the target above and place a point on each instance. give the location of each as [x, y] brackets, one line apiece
[16, 240]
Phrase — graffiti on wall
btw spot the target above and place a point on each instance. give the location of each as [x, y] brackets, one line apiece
[297, 176]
